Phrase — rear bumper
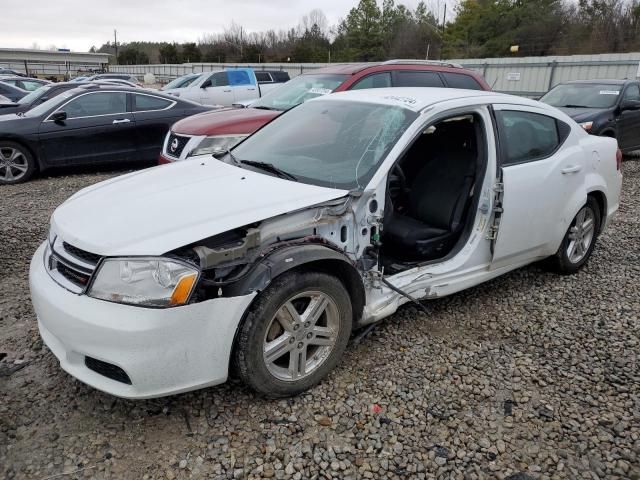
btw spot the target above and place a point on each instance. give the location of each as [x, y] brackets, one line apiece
[162, 351]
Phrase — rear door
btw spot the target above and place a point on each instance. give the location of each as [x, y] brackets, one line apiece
[540, 170]
[153, 117]
[216, 90]
[98, 129]
[629, 120]
[243, 85]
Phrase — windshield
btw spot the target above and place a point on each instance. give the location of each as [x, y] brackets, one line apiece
[33, 96]
[181, 82]
[336, 144]
[583, 95]
[49, 104]
[299, 90]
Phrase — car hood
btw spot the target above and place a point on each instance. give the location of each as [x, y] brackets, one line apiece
[225, 121]
[583, 114]
[163, 208]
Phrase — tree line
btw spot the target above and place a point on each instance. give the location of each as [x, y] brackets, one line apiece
[377, 31]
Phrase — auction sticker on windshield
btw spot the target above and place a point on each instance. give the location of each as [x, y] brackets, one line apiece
[320, 91]
[609, 92]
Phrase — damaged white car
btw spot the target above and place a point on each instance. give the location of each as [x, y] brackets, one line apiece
[325, 220]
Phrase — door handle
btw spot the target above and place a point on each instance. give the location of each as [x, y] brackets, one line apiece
[123, 120]
[571, 169]
[226, 91]
[251, 89]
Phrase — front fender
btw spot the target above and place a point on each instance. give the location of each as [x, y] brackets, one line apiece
[282, 260]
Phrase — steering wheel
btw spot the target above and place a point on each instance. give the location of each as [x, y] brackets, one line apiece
[397, 182]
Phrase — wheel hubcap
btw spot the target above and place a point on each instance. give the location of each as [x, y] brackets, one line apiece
[581, 235]
[13, 164]
[301, 335]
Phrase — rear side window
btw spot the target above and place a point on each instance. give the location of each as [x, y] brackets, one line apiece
[460, 80]
[264, 77]
[632, 93]
[377, 80]
[527, 136]
[418, 79]
[238, 77]
[147, 102]
[99, 103]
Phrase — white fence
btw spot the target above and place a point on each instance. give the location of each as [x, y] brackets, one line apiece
[527, 76]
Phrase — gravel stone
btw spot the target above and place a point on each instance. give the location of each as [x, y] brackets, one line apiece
[529, 376]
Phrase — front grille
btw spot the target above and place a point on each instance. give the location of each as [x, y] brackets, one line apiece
[176, 144]
[108, 370]
[81, 254]
[70, 266]
[74, 276]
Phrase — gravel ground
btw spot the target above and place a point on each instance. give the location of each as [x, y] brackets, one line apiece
[532, 375]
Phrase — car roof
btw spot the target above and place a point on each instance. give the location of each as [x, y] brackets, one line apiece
[353, 68]
[419, 98]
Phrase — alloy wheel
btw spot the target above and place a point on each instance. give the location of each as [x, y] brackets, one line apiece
[301, 335]
[13, 164]
[581, 235]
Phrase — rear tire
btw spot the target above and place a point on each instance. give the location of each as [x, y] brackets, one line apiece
[579, 241]
[17, 164]
[294, 334]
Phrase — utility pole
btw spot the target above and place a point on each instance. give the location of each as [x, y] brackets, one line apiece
[241, 56]
[115, 43]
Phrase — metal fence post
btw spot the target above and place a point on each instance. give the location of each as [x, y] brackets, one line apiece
[553, 64]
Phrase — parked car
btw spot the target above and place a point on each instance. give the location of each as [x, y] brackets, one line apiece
[25, 83]
[115, 76]
[37, 97]
[79, 79]
[215, 132]
[91, 124]
[610, 108]
[325, 220]
[10, 72]
[12, 93]
[226, 87]
[116, 81]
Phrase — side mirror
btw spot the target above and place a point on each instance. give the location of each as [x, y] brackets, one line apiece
[59, 117]
[630, 105]
[206, 84]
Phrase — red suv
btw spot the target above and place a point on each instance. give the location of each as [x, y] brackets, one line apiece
[216, 131]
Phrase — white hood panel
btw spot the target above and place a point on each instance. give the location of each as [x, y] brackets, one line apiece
[157, 210]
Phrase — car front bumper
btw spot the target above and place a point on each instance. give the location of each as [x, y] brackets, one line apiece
[162, 351]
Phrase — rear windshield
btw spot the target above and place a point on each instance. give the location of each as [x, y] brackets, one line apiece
[299, 90]
[583, 95]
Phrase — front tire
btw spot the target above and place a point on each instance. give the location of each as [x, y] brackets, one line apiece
[17, 164]
[579, 241]
[294, 334]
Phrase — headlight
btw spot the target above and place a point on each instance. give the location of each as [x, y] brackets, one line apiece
[587, 125]
[215, 144]
[149, 282]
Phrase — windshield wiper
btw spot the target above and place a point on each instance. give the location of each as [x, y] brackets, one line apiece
[269, 167]
[262, 107]
[575, 106]
[233, 158]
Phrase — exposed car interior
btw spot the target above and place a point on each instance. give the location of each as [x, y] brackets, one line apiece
[431, 193]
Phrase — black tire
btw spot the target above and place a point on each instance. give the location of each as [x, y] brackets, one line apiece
[16, 170]
[249, 361]
[561, 261]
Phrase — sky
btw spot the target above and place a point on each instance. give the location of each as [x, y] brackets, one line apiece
[79, 24]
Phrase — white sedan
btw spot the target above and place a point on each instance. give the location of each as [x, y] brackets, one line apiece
[325, 220]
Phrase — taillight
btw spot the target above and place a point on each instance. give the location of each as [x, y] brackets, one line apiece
[619, 159]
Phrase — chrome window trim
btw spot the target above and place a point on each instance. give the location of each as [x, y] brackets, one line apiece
[48, 119]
